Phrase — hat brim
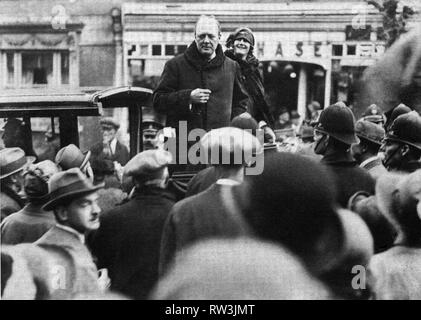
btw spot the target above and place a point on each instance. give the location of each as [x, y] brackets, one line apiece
[343, 137]
[29, 160]
[50, 205]
[86, 159]
[369, 139]
[415, 145]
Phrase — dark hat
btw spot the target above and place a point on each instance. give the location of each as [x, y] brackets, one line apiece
[67, 185]
[406, 129]
[370, 131]
[109, 123]
[292, 203]
[149, 163]
[245, 121]
[12, 123]
[338, 121]
[36, 179]
[71, 157]
[13, 160]
[102, 165]
[244, 33]
[294, 114]
[399, 110]
[150, 116]
[374, 114]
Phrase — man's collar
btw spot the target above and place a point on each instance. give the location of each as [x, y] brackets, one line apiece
[194, 57]
[80, 236]
[227, 182]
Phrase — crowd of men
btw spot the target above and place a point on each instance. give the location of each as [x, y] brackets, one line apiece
[336, 217]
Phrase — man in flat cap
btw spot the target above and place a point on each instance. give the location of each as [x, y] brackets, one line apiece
[402, 145]
[366, 151]
[30, 223]
[127, 242]
[73, 199]
[334, 135]
[110, 147]
[12, 163]
[374, 114]
[209, 214]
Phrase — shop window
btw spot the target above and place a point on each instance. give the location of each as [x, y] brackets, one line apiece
[337, 50]
[156, 50]
[144, 49]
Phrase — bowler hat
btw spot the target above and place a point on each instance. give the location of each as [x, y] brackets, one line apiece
[244, 33]
[369, 131]
[109, 123]
[148, 163]
[66, 185]
[406, 129]
[36, 179]
[338, 121]
[71, 157]
[13, 160]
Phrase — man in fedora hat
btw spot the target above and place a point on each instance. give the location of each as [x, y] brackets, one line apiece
[366, 151]
[30, 223]
[334, 135]
[127, 242]
[402, 145]
[395, 274]
[110, 147]
[12, 162]
[72, 157]
[208, 214]
[73, 199]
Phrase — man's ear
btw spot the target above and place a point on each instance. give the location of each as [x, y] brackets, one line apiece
[61, 213]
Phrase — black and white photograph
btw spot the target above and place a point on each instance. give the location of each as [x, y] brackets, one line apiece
[210, 150]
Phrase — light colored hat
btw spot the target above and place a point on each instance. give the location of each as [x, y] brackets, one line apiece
[67, 184]
[229, 145]
[148, 163]
[72, 157]
[108, 123]
[13, 160]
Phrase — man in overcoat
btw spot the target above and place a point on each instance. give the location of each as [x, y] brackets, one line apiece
[127, 242]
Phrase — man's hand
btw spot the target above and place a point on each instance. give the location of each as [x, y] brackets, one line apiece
[200, 95]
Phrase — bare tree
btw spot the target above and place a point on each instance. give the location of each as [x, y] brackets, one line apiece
[394, 23]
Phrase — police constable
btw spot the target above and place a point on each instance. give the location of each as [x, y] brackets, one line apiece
[334, 135]
[402, 146]
[152, 124]
[366, 151]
